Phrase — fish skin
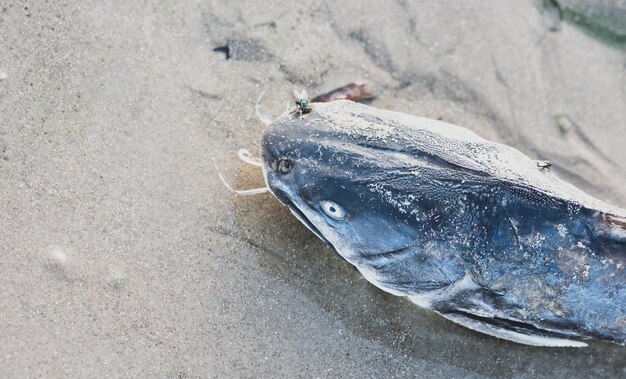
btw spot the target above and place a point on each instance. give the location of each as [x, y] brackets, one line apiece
[469, 228]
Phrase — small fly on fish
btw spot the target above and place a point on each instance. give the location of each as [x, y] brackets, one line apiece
[471, 229]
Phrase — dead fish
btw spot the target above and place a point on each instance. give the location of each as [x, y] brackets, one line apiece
[471, 229]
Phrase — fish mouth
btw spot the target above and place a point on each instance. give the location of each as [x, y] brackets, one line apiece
[282, 196]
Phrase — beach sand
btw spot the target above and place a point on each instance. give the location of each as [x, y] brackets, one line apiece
[124, 255]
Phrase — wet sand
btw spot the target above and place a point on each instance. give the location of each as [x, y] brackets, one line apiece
[123, 254]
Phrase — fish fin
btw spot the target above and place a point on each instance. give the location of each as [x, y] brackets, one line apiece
[512, 330]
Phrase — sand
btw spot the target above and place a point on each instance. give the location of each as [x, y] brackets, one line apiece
[122, 253]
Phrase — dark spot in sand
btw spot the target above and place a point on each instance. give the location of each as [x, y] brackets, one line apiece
[245, 49]
[554, 15]
[270, 24]
[204, 94]
[223, 49]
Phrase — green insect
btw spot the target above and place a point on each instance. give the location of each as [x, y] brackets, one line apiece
[302, 101]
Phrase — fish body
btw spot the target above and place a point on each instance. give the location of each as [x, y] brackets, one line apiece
[471, 229]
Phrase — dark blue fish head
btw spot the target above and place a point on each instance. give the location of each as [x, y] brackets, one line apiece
[327, 178]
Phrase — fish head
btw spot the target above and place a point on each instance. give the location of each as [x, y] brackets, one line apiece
[327, 176]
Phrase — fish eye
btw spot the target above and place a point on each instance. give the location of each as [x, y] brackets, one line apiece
[333, 210]
[285, 166]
